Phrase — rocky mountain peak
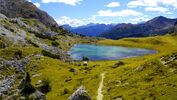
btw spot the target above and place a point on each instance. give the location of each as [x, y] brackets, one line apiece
[25, 9]
[160, 20]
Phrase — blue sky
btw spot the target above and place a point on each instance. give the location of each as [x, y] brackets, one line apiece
[82, 12]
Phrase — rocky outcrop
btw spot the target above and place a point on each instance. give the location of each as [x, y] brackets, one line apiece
[12, 32]
[2, 16]
[38, 96]
[18, 64]
[25, 9]
[16, 29]
[6, 84]
[32, 26]
[80, 94]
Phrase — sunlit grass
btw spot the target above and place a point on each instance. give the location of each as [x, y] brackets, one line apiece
[120, 82]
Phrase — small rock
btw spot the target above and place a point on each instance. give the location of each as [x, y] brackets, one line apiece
[140, 68]
[72, 70]
[36, 75]
[85, 63]
[38, 82]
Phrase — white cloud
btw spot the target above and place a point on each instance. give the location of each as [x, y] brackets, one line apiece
[172, 3]
[158, 9]
[172, 17]
[37, 4]
[152, 3]
[96, 19]
[113, 4]
[80, 22]
[67, 20]
[135, 3]
[29, 0]
[123, 13]
[69, 2]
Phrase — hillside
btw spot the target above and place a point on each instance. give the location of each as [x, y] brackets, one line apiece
[150, 76]
[25, 38]
[147, 77]
[23, 45]
[35, 65]
[156, 26]
[25, 9]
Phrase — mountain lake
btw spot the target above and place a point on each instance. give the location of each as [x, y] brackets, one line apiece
[101, 52]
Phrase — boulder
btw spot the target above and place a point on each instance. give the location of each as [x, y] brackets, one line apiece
[80, 94]
[38, 96]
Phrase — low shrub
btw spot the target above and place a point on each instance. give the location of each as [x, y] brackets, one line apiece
[18, 53]
[39, 35]
[45, 86]
[55, 44]
[118, 64]
[34, 44]
[2, 45]
[9, 28]
[46, 53]
[84, 58]
[72, 70]
[65, 91]
[27, 87]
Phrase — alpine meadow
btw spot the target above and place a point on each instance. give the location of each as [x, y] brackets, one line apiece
[88, 50]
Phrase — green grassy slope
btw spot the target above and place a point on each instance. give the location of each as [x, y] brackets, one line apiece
[147, 77]
[11, 46]
[140, 77]
[144, 77]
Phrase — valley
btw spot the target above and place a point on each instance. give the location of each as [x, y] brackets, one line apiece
[40, 60]
[117, 82]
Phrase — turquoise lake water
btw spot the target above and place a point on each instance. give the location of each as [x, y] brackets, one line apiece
[100, 52]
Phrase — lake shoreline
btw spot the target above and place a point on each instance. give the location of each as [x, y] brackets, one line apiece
[96, 52]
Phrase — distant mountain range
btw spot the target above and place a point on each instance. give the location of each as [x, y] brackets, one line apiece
[89, 29]
[157, 26]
